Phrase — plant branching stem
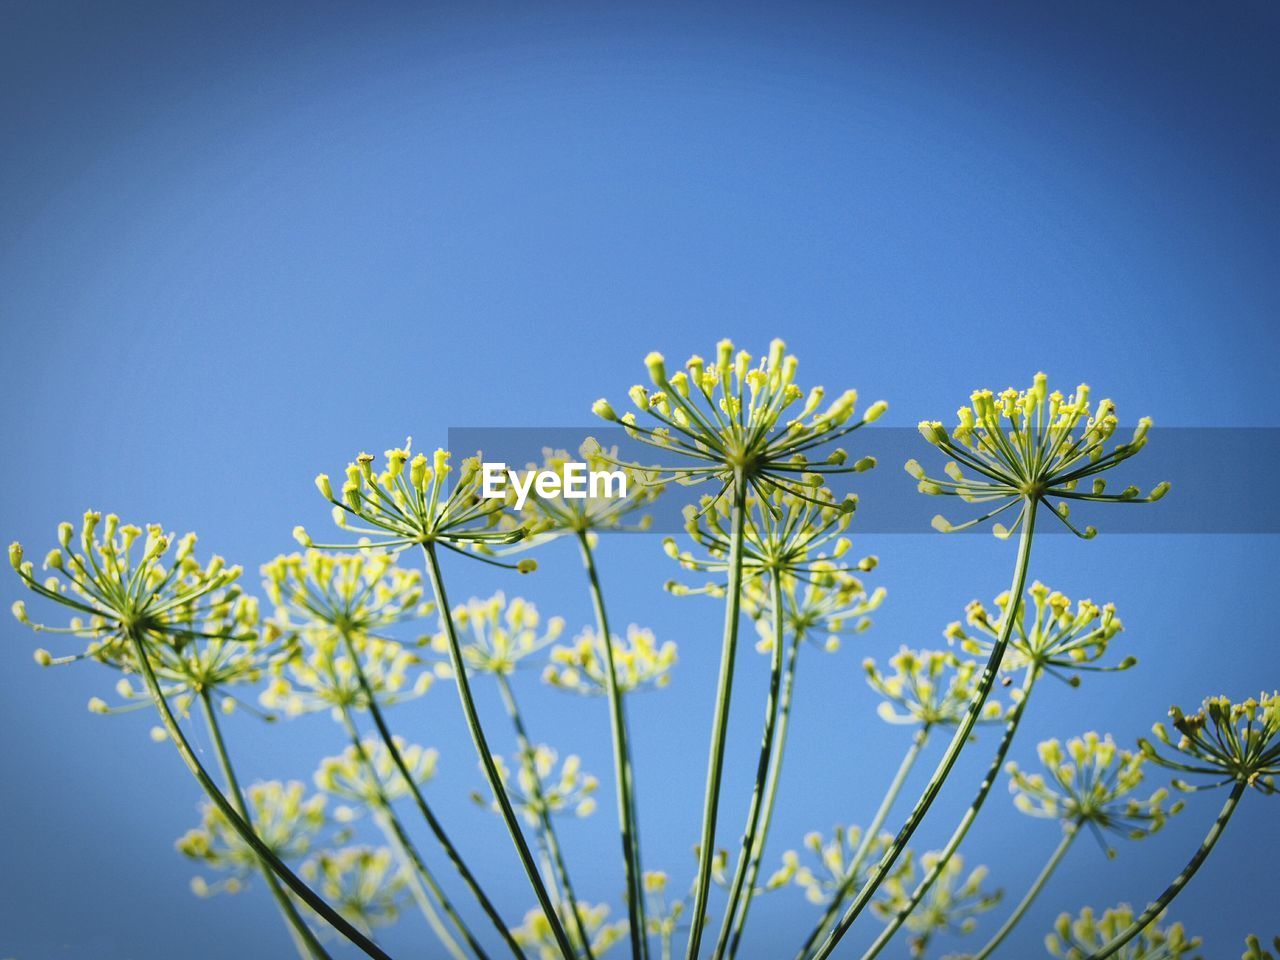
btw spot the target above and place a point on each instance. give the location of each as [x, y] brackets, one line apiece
[546, 828]
[966, 821]
[771, 791]
[238, 823]
[624, 784]
[763, 766]
[423, 884]
[720, 720]
[958, 740]
[918, 742]
[486, 755]
[303, 937]
[1069, 834]
[433, 822]
[1181, 880]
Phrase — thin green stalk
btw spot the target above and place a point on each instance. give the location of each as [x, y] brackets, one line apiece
[423, 882]
[303, 938]
[486, 755]
[771, 791]
[1182, 879]
[546, 828]
[868, 837]
[966, 821]
[433, 822]
[720, 721]
[958, 741]
[763, 766]
[624, 784]
[245, 832]
[1069, 834]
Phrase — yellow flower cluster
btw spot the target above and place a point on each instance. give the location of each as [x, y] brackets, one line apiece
[639, 661]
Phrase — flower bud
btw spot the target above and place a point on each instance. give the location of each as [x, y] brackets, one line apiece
[323, 485]
[875, 411]
[657, 368]
[300, 534]
[527, 565]
[98, 705]
[15, 555]
[42, 657]
[602, 409]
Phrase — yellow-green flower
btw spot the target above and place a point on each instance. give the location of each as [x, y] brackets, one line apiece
[829, 604]
[1091, 781]
[1030, 445]
[286, 820]
[322, 676]
[535, 933]
[360, 592]
[952, 905]
[927, 688]
[662, 915]
[732, 418]
[639, 660]
[406, 504]
[1047, 632]
[348, 777]
[1254, 949]
[1231, 742]
[497, 633]
[832, 861]
[365, 884]
[547, 517]
[560, 786]
[1080, 937]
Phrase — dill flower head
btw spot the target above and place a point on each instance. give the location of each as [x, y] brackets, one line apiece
[406, 504]
[348, 776]
[952, 905]
[320, 675]
[1028, 446]
[1075, 938]
[640, 662]
[662, 914]
[1230, 742]
[497, 633]
[832, 860]
[785, 534]
[536, 935]
[821, 609]
[547, 517]
[119, 579]
[1048, 632]
[364, 884]
[732, 420]
[360, 592]
[286, 820]
[1091, 781]
[927, 688]
[544, 786]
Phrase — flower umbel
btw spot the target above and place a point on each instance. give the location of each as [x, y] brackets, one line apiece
[348, 775]
[556, 791]
[1231, 742]
[1091, 781]
[536, 933]
[1080, 937]
[834, 858]
[640, 661]
[365, 884]
[952, 905]
[361, 592]
[498, 633]
[286, 820]
[735, 420]
[927, 688]
[1030, 445]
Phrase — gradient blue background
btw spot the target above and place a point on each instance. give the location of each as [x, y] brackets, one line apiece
[240, 244]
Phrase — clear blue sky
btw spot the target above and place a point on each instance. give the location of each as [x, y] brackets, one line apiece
[239, 244]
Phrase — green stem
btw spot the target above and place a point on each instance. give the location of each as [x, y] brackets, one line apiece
[966, 821]
[303, 938]
[546, 828]
[423, 883]
[1182, 879]
[486, 755]
[763, 766]
[720, 720]
[868, 838]
[433, 822]
[1069, 834]
[624, 784]
[958, 741]
[771, 791]
[242, 829]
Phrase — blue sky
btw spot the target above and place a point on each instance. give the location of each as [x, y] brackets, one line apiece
[239, 245]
